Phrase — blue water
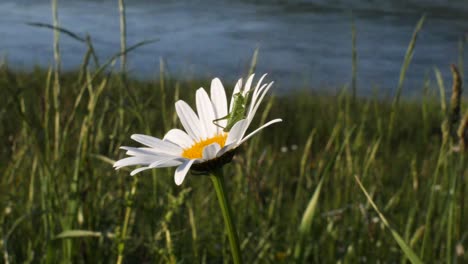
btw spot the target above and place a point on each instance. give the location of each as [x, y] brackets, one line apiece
[302, 43]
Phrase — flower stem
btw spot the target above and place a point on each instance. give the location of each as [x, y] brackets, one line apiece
[218, 182]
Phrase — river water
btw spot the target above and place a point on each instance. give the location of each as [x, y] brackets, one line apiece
[301, 43]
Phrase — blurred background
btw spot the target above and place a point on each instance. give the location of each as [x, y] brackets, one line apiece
[301, 43]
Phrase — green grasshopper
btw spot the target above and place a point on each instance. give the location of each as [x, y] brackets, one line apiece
[237, 113]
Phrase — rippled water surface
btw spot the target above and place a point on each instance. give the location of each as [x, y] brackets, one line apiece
[302, 43]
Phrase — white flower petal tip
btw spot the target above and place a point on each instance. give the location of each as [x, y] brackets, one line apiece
[219, 102]
[259, 129]
[130, 161]
[182, 171]
[134, 172]
[206, 112]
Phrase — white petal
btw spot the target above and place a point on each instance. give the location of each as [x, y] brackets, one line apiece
[218, 97]
[248, 83]
[131, 151]
[257, 98]
[236, 132]
[158, 145]
[182, 170]
[163, 163]
[260, 88]
[209, 152]
[257, 90]
[139, 170]
[179, 137]
[260, 81]
[235, 135]
[130, 161]
[146, 140]
[258, 129]
[189, 120]
[206, 112]
[225, 149]
[256, 103]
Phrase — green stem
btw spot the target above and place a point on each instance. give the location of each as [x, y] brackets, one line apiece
[218, 182]
[125, 226]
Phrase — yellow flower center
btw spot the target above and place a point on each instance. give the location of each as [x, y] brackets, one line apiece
[196, 150]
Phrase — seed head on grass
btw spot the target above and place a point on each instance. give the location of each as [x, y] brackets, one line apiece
[463, 133]
[207, 142]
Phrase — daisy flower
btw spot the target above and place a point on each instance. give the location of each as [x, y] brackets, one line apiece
[211, 135]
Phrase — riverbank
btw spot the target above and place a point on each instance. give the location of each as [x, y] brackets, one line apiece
[60, 139]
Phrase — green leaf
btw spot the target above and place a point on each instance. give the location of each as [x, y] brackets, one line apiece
[309, 213]
[306, 222]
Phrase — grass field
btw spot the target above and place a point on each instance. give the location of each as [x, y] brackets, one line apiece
[62, 201]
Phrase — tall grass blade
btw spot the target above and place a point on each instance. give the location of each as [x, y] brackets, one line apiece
[354, 59]
[56, 90]
[86, 40]
[442, 91]
[126, 222]
[112, 59]
[253, 63]
[410, 254]
[63, 30]
[304, 162]
[404, 68]
[429, 221]
[123, 36]
[306, 223]
[443, 106]
[461, 56]
[451, 219]
[408, 57]
[162, 95]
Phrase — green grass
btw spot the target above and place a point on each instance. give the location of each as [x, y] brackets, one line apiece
[61, 200]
